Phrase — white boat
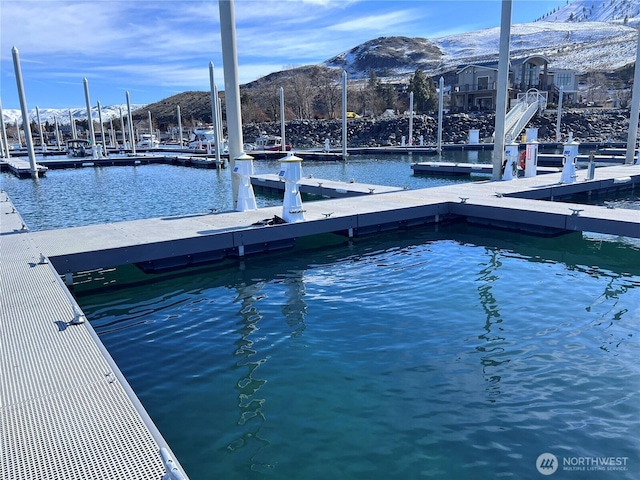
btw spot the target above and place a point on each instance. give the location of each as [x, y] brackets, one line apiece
[202, 138]
[269, 143]
[148, 141]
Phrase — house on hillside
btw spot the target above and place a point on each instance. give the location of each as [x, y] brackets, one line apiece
[477, 83]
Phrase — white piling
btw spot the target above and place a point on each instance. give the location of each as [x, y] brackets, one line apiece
[291, 174]
[511, 161]
[403, 141]
[635, 107]
[501, 93]
[25, 113]
[282, 129]
[570, 153]
[560, 97]
[5, 151]
[440, 111]
[179, 125]
[43, 145]
[150, 130]
[18, 133]
[232, 94]
[55, 119]
[112, 134]
[124, 136]
[72, 122]
[104, 140]
[344, 115]
[132, 140]
[92, 135]
[411, 119]
[214, 112]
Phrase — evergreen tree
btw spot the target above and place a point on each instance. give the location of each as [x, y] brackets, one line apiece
[424, 92]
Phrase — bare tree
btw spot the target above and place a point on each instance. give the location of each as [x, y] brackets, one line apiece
[329, 89]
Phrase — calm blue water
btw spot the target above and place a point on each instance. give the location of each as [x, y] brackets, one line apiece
[458, 354]
[449, 353]
[65, 198]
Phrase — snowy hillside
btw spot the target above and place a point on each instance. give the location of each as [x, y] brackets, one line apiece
[49, 114]
[583, 35]
[595, 11]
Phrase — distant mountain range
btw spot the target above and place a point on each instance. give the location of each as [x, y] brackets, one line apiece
[583, 35]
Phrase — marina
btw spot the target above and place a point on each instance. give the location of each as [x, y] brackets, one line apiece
[410, 320]
[157, 245]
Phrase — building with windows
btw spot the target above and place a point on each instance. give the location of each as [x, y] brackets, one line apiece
[477, 83]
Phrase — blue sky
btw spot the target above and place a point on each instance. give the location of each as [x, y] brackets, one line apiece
[157, 48]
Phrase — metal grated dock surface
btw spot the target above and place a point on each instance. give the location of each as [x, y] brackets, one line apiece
[66, 412]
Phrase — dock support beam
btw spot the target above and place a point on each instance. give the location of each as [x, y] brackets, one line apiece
[344, 115]
[440, 112]
[501, 94]
[92, 135]
[231, 89]
[635, 107]
[104, 140]
[282, 129]
[132, 138]
[214, 113]
[25, 113]
[5, 149]
[179, 125]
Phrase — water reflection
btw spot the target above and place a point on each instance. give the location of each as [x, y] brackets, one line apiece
[490, 353]
[251, 417]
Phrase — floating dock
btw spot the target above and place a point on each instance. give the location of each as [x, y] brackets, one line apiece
[172, 242]
[451, 169]
[271, 183]
[66, 410]
[21, 168]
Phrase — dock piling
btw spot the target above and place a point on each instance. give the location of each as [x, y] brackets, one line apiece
[25, 113]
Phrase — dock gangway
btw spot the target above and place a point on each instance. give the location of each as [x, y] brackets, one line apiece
[522, 112]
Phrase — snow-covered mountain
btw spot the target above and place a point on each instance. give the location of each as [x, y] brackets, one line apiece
[50, 114]
[584, 35]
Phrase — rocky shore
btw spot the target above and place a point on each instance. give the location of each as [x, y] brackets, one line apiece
[592, 125]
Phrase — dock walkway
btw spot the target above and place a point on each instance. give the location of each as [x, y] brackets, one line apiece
[187, 240]
[318, 186]
[22, 168]
[66, 411]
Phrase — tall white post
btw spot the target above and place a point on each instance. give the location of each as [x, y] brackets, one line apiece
[72, 122]
[502, 88]
[282, 129]
[344, 115]
[43, 145]
[150, 124]
[25, 113]
[232, 96]
[560, 97]
[124, 136]
[214, 112]
[104, 140]
[130, 120]
[92, 135]
[55, 118]
[5, 152]
[440, 112]
[112, 134]
[179, 124]
[18, 133]
[411, 119]
[635, 106]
